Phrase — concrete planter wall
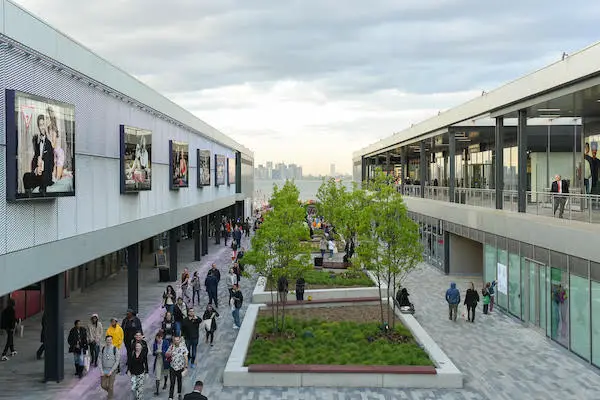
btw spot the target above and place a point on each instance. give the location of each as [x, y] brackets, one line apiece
[445, 374]
[261, 295]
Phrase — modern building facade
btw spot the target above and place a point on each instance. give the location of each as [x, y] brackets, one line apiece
[481, 181]
[98, 171]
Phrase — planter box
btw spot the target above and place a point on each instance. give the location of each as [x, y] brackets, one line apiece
[261, 295]
[443, 375]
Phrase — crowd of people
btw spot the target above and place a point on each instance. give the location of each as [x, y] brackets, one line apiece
[471, 300]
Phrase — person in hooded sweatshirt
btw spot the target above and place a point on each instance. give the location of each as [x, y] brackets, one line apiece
[453, 299]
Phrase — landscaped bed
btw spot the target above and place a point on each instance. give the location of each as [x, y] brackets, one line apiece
[349, 335]
[319, 279]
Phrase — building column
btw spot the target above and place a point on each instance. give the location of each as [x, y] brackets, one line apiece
[173, 236]
[451, 165]
[217, 219]
[197, 240]
[388, 162]
[54, 341]
[133, 268]
[363, 171]
[446, 252]
[422, 167]
[204, 234]
[522, 160]
[499, 162]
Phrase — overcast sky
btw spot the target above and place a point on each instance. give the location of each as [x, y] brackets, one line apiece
[311, 81]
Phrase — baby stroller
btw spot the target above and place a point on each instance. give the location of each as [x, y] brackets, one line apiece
[406, 307]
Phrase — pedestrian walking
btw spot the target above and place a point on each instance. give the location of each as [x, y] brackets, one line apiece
[486, 297]
[116, 332]
[236, 301]
[212, 283]
[95, 331]
[471, 300]
[331, 247]
[191, 332]
[323, 246]
[300, 286]
[282, 288]
[78, 343]
[42, 348]
[492, 290]
[168, 326]
[137, 369]
[169, 299]
[109, 364]
[197, 393]
[196, 287]
[179, 315]
[185, 282]
[232, 279]
[9, 324]
[177, 355]
[210, 323]
[131, 325]
[453, 299]
[161, 366]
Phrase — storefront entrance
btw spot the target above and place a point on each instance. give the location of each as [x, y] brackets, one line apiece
[533, 276]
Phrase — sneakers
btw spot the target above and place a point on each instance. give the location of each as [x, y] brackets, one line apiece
[236, 327]
[4, 358]
[14, 353]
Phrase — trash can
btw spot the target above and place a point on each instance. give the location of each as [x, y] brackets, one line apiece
[318, 261]
[163, 274]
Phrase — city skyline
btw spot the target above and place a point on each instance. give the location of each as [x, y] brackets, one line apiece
[315, 92]
[280, 171]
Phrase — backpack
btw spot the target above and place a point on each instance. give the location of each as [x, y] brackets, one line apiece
[115, 355]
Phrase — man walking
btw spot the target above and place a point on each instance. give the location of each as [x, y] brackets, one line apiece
[559, 186]
[191, 332]
[212, 282]
[453, 299]
[197, 393]
[9, 324]
[237, 299]
[109, 363]
[131, 325]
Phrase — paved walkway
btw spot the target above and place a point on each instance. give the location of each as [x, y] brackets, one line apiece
[500, 358]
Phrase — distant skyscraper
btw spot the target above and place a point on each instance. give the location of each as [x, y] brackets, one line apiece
[269, 170]
[332, 170]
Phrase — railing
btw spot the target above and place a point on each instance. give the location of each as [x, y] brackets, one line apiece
[577, 207]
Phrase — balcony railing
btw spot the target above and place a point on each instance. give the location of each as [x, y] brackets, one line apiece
[578, 207]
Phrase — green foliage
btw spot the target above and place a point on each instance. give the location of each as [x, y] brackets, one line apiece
[332, 343]
[277, 248]
[343, 279]
[389, 240]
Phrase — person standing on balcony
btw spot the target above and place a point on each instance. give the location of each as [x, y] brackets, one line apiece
[559, 186]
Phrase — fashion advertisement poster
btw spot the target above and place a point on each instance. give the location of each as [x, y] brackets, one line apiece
[41, 138]
[231, 171]
[136, 164]
[179, 164]
[220, 162]
[502, 279]
[203, 167]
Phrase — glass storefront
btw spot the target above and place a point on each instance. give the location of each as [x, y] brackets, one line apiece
[595, 300]
[432, 239]
[580, 315]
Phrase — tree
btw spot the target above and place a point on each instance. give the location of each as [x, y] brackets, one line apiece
[389, 242]
[277, 250]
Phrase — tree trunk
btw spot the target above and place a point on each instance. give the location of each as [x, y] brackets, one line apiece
[394, 303]
[272, 308]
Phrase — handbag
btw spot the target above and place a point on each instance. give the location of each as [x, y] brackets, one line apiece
[86, 363]
[169, 354]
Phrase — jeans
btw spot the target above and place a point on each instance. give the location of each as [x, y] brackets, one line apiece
[192, 344]
[170, 308]
[322, 253]
[78, 359]
[212, 297]
[485, 308]
[94, 350]
[195, 294]
[453, 309]
[236, 316]
[471, 313]
[174, 375]
[10, 341]
[210, 334]
[177, 328]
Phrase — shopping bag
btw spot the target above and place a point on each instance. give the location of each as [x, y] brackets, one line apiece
[464, 313]
[86, 363]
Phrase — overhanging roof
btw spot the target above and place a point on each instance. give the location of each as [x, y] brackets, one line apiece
[575, 68]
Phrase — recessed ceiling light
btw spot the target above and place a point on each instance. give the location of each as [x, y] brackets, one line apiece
[548, 109]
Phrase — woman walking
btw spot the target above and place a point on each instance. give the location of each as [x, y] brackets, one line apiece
[177, 354]
[210, 323]
[169, 298]
[471, 300]
[168, 327]
[161, 366]
[94, 333]
[180, 314]
[78, 343]
[323, 246]
[196, 287]
[231, 280]
[137, 368]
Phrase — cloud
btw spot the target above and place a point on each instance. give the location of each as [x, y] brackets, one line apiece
[310, 81]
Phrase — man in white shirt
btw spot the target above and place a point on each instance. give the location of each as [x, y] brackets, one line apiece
[560, 187]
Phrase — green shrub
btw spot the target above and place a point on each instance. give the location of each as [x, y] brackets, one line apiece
[333, 343]
[331, 279]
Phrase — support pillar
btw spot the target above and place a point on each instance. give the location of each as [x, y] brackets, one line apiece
[173, 236]
[217, 221]
[499, 162]
[54, 360]
[204, 234]
[133, 269]
[446, 252]
[452, 165]
[422, 167]
[197, 240]
[522, 160]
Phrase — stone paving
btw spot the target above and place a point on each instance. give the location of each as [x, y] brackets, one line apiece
[500, 358]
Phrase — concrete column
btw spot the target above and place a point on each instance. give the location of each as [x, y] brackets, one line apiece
[422, 167]
[217, 219]
[204, 234]
[133, 268]
[499, 162]
[197, 240]
[54, 360]
[522, 159]
[446, 252]
[173, 235]
[451, 164]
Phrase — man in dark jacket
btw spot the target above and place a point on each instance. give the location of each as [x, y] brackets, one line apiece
[197, 393]
[237, 298]
[77, 341]
[237, 235]
[131, 325]
[191, 332]
[453, 299]
[40, 351]
[9, 324]
[212, 283]
[282, 288]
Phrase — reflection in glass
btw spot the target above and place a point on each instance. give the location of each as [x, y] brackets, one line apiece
[580, 316]
[514, 285]
[596, 323]
[559, 295]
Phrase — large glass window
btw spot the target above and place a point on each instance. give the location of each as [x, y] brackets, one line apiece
[580, 316]
[559, 295]
[491, 257]
[514, 284]
[596, 323]
[502, 265]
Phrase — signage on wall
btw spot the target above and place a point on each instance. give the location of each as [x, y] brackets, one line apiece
[502, 279]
